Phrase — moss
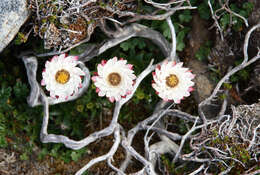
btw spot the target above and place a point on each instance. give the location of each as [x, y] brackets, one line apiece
[44, 20]
[52, 18]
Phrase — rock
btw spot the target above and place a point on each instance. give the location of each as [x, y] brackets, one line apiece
[13, 14]
[203, 85]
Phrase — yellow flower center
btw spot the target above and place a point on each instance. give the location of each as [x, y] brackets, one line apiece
[114, 79]
[172, 80]
[62, 76]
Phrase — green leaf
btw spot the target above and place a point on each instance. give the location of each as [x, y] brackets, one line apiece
[243, 13]
[20, 90]
[3, 142]
[125, 46]
[24, 156]
[180, 36]
[204, 11]
[234, 78]
[5, 94]
[140, 43]
[166, 30]
[248, 6]
[185, 16]
[20, 38]
[224, 21]
[74, 156]
[243, 74]
[203, 51]
[227, 86]
[42, 153]
[180, 46]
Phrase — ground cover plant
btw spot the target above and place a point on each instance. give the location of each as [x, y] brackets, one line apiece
[159, 87]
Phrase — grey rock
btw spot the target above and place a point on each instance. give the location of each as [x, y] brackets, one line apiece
[13, 14]
[204, 86]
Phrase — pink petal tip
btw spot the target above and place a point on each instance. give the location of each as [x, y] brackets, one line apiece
[130, 66]
[103, 62]
[192, 76]
[191, 89]
[177, 101]
[97, 90]
[94, 78]
[80, 85]
[111, 99]
[165, 99]
[42, 82]
[76, 58]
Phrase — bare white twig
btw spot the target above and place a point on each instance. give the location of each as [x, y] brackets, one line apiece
[216, 21]
[198, 170]
[109, 155]
[173, 51]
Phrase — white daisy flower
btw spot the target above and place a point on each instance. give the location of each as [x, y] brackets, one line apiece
[61, 76]
[114, 79]
[172, 81]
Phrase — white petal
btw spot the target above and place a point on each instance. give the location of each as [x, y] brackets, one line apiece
[52, 67]
[178, 92]
[126, 74]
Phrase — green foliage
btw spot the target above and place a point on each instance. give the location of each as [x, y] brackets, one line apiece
[170, 166]
[227, 86]
[180, 39]
[237, 23]
[20, 38]
[132, 44]
[240, 75]
[5, 94]
[76, 155]
[243, 9]
[185, 16]
[20, 90]
[20, 124]
[24, 156]
[237, 150]
[203, 51]
[180, 29]
[3, 141]
[248, 7]
[204, 10]
[182, 127]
